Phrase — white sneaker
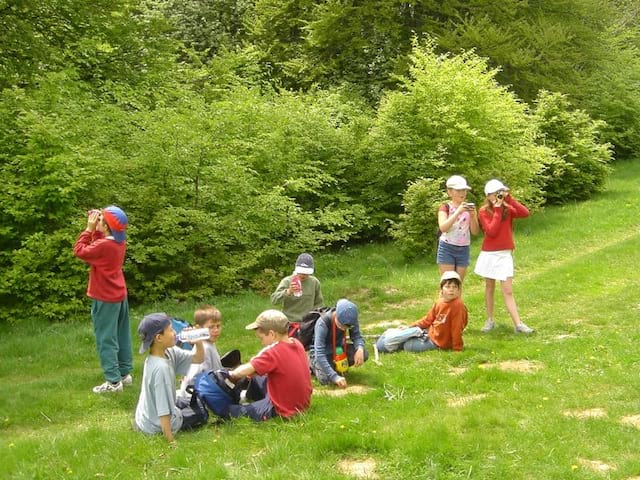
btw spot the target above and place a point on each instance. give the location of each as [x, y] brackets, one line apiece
[522, 328]
[108, 387]
[488, 326]
[127, 380]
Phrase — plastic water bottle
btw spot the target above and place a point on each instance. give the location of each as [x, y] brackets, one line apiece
[296, 284]
[341, 361]
[193, 335]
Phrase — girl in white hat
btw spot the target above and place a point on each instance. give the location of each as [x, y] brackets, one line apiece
[495, 261]
[457, 220]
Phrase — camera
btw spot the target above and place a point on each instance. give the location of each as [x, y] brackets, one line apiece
[500, 195]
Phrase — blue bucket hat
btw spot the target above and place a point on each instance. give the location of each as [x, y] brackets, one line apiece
[347, 312]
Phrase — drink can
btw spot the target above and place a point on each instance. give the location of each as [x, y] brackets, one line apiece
[297, 286]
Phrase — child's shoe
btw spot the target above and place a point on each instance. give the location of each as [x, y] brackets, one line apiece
[488, 325]
[127, 380]
[108, 387]
[522, 328]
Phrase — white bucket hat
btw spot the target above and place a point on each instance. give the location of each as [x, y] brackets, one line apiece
[494, 186]
[457, 183]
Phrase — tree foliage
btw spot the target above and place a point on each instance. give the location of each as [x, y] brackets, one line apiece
[581, 166]
[237, 134]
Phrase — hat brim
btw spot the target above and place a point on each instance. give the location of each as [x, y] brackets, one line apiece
[304, 270]
[145, 345]
[119, 236]
[252, 326]
[459, 187]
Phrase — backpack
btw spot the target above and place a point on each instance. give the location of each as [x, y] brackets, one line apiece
[178, 324]
[438, 231]
[194, 413]
[215, 392]
[304, 330]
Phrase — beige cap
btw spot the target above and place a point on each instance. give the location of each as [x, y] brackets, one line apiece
[270, 320]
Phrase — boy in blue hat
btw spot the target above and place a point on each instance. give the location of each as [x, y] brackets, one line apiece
[102, 245]
[330, 336]
[157, 410]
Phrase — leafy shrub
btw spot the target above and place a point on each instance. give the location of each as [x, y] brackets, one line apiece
[581, 164]
[451, 117]
[415, 232]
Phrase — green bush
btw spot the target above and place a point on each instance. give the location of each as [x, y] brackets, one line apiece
[581, 164]
[415, 232]
[216, 191]
[451, 117]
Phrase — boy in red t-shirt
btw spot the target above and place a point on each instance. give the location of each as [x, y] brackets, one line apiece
[283, 370]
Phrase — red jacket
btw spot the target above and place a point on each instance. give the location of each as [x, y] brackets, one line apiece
[498, 232]
[106, 257]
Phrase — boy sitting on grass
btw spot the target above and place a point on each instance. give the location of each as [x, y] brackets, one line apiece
[284, 377]
[205, 316]
[441, 328]
[157, 410]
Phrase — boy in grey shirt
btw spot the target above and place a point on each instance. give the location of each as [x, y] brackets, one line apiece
[157, 410]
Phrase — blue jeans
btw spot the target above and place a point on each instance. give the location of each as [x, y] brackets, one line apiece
[418, 345]
[259, 410]
[458, 256]
[393, 339]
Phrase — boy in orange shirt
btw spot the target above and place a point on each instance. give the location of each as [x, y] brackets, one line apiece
[441, 328]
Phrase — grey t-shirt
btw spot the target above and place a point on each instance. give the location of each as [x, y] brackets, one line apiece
[158, 391]
[211, 362]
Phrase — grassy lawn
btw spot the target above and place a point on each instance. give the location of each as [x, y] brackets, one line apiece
[562, 403]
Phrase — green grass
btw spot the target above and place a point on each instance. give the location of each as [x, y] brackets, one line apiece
[576, 282]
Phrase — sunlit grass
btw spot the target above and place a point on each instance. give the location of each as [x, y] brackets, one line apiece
[506, 407]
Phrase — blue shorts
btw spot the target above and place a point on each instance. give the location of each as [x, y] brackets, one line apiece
[453, 255]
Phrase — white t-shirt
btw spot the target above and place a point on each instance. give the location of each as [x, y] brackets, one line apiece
[158, 391]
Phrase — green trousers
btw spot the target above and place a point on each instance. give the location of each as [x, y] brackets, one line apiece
[113, 338]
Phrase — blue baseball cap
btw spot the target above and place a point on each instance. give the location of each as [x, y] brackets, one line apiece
[150, 326]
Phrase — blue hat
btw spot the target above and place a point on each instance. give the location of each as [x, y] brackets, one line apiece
[150, 326]
[117, 222]
[347, 312]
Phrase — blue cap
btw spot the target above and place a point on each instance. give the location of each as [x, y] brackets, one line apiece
[150, 326]
[117, 221]
[347, 312]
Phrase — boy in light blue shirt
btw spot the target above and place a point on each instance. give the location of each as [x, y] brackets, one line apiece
[157, 411]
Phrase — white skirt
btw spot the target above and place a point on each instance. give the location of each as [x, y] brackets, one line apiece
[496, 265]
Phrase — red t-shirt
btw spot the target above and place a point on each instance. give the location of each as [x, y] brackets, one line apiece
[288, 377]
[105, 256]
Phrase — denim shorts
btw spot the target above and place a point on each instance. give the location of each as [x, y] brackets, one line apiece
[453, 255]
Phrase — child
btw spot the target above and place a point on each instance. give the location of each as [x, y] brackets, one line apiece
[330, 334]
[495, 261]
[206, 316]
[282, 364]
[296, 303]
[157, 411]
[102, 245]
[444, 323]
[457, 220]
